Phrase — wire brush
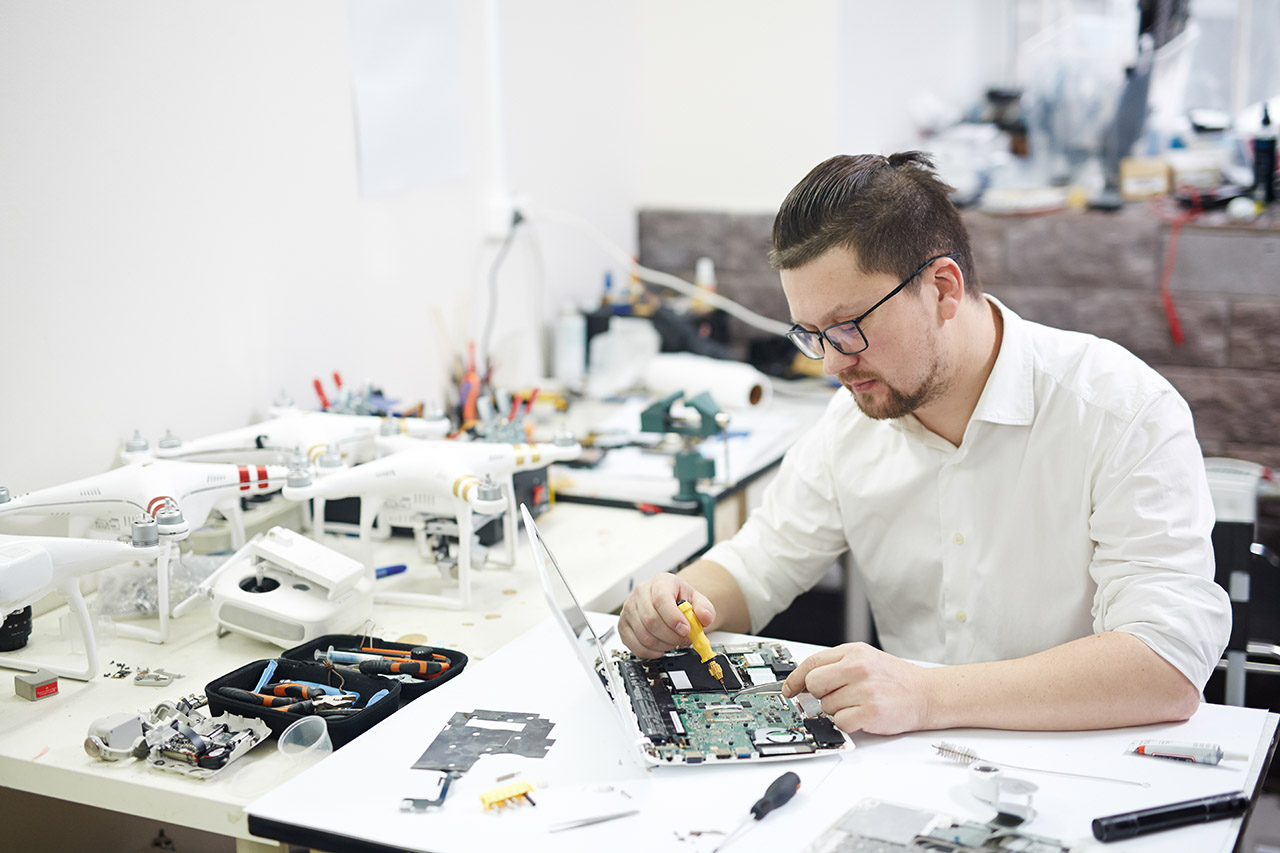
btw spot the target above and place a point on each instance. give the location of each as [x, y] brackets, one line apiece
[966, 756]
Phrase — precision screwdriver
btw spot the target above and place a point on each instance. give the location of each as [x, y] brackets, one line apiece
[701, 645]
[779, 793]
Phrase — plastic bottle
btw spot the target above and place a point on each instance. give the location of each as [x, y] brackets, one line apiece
[569, 358]
[1264, 161]
[704, 278]
[615, 299]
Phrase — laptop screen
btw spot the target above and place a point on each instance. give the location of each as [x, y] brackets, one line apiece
[566, 610]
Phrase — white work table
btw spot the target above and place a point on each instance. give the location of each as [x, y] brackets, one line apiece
[351, 800]
[604, 551]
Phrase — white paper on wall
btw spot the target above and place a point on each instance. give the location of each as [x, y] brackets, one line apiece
[406, 75]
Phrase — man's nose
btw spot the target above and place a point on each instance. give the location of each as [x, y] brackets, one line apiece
[834, 361]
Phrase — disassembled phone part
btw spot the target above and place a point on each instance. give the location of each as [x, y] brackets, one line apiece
[687, 716]
[422, 804]
[175, 736]
[471, 734]
[890, 828]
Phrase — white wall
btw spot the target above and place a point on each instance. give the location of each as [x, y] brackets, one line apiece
[571, 85]
[182, 234]
[743, 97]
[740, 100]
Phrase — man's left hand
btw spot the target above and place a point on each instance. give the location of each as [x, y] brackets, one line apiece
[864, 689]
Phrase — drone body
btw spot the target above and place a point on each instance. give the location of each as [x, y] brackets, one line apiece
[433, 479]
[105, 504]
[277, 439]
[177, 496]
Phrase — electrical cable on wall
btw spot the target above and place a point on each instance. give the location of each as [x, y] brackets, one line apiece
[1176, 221]
[492, 310]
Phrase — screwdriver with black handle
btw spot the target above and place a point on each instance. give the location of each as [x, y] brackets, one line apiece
[778, 793]
[416, 668]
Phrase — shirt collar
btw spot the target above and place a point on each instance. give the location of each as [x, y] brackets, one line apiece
[1009, 395]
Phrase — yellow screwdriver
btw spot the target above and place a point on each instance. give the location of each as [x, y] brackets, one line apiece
[698, 639]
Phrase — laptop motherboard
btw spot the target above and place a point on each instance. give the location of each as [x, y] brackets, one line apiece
[688, 717]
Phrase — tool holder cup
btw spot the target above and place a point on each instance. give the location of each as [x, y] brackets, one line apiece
[305, 741]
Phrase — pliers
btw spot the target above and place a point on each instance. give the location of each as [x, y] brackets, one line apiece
[325, 706]
[294, 704]
[293, 689]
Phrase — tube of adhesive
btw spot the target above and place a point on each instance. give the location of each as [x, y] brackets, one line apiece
[1198, 753]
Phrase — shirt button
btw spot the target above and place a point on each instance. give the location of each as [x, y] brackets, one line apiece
[958, 539]
[961, 617]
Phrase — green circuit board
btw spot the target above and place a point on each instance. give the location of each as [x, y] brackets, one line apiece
[687, 717]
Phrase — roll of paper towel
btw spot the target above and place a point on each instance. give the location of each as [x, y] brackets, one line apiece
[733, 385]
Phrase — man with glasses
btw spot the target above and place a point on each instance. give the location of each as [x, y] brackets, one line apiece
[1024, 505]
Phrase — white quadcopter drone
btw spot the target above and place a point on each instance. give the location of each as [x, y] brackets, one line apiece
[419, 485]
[33, 566]
[178, 496]
[310, 433]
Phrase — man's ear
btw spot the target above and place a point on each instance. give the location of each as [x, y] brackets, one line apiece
[948, 283]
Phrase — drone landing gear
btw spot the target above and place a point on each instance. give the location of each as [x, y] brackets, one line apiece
[436, 536]
[71, 592]
[154, 635]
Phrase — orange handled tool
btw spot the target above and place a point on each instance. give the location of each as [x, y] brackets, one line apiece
[417, 653]
[419, 668]
[257, 698]
[289, 688]
[470, 391]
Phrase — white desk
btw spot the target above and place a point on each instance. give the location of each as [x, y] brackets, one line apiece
[604, 551]
[366, 780]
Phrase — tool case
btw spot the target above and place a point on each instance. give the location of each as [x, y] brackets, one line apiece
[409, 689]
[341, 729]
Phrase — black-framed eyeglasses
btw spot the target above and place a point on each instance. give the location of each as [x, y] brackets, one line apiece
[846, 336]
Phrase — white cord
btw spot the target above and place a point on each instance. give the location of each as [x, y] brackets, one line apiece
[746, 315]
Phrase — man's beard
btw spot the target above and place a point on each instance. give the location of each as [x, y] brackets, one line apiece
[897, 403]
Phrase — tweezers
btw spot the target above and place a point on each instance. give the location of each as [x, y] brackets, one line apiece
[757, 689]
[589, 821]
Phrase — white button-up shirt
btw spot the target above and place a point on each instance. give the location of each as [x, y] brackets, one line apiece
[1077, 502]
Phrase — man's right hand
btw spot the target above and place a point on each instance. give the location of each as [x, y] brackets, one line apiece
[651, 622]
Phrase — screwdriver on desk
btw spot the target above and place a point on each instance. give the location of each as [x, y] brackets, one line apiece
[418, 668]
[700, 643]
[779, 793]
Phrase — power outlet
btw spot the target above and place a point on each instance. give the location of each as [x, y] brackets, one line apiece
[499, 212]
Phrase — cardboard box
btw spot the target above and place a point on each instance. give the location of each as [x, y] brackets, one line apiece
[1144, 177]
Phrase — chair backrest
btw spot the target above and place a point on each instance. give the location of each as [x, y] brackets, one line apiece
[1233, 485]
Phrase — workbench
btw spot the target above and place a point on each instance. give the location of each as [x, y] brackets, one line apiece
[604, 551]
[691, 808]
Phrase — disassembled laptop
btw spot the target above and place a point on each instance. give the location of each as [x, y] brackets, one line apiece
[677, 710]
[687, 717]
